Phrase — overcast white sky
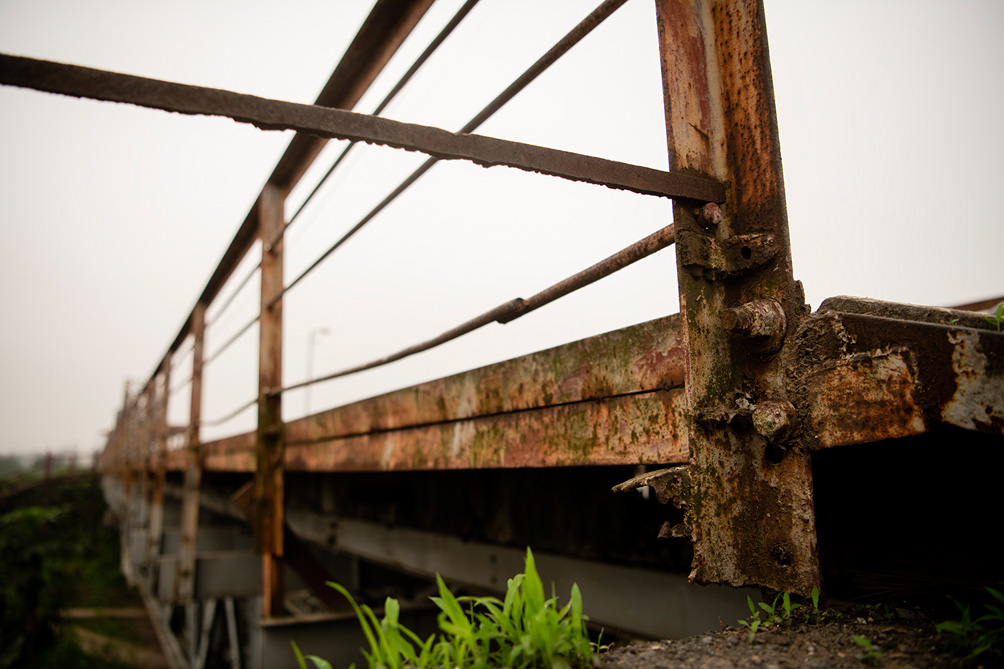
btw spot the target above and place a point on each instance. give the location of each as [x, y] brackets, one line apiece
[114, 217]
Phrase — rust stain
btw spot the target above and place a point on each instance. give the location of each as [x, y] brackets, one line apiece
[639, 358]
[626, 430]
[868, 397]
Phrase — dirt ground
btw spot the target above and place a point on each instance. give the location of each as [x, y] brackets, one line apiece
[901, 638]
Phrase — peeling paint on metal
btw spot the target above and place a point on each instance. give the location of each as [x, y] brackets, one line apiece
[978, 401]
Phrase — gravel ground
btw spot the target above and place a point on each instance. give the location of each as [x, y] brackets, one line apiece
[904, 638]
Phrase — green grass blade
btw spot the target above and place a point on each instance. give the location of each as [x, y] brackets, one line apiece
[367, 632]
[299, 656]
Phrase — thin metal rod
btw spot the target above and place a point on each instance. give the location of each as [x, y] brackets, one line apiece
[235, 292]
[402, 82]
[513, 309]
[553, 54]
[181, 385]
[230, 341]
[233, 414]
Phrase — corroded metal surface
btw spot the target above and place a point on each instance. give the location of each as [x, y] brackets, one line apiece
[270, 444]
[749, 503]
[864, 398]
[863, 377]
[340, 124]
[639, 358]
[625, 363]
[184, 583]
[235, 454]
[634, 429]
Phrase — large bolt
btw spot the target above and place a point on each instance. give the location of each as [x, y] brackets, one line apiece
[710, 215]
[762, 321]
[773, 420]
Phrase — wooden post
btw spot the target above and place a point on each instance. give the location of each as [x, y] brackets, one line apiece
[156, 527]
[184, 583]
[271, 440]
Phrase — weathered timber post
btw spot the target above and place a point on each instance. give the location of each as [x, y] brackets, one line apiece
[749, 505]
[184, 582]
[156, 526]
[271, 443]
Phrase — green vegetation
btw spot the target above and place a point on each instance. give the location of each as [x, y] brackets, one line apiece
[872, 653]
[524, 630]
[998, 317]
[983, 636]
[55, 557]
[781, 615]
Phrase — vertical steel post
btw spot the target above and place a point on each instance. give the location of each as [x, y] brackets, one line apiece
[184, 582]
[148, 437]
[127, 461]
[749, 505]
[156, 526]
[271, 440]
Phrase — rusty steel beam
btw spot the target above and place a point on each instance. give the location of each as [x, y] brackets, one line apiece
[184, 582]
[561, 391]
[385, 29]
[339, 124]
[867, 370]
[643, 428]
[630, 429]
[270, 444]
[749, 502]
[638, 359]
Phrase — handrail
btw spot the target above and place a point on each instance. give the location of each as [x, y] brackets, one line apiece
[402, 82]
[573, 37]
[513, 309]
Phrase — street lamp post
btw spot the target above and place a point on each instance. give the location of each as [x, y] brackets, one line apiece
[311, 339]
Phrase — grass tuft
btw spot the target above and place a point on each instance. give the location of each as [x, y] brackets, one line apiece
[521, 631]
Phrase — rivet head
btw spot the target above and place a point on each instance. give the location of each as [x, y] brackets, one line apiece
[773, 420]
[710, 215]
[762, 322]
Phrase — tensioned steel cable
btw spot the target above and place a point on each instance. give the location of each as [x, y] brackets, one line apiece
[429, 50]
[181, 385]
[595, 18]
[230, 341]
[235, 292]
[233, 414]
[513, 309]
[402, 82]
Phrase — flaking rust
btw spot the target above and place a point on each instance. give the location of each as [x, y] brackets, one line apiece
[864, 371]
[748, 505]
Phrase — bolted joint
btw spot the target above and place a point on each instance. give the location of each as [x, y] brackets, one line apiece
[761, 321]
[774, 420]
[709, 216]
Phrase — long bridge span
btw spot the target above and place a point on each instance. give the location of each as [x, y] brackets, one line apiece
[742, 442]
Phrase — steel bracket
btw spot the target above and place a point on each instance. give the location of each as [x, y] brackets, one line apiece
[710, 258]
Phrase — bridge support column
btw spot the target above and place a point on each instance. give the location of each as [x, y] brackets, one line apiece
[271, 445]
[155, 529]
[184, 582]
